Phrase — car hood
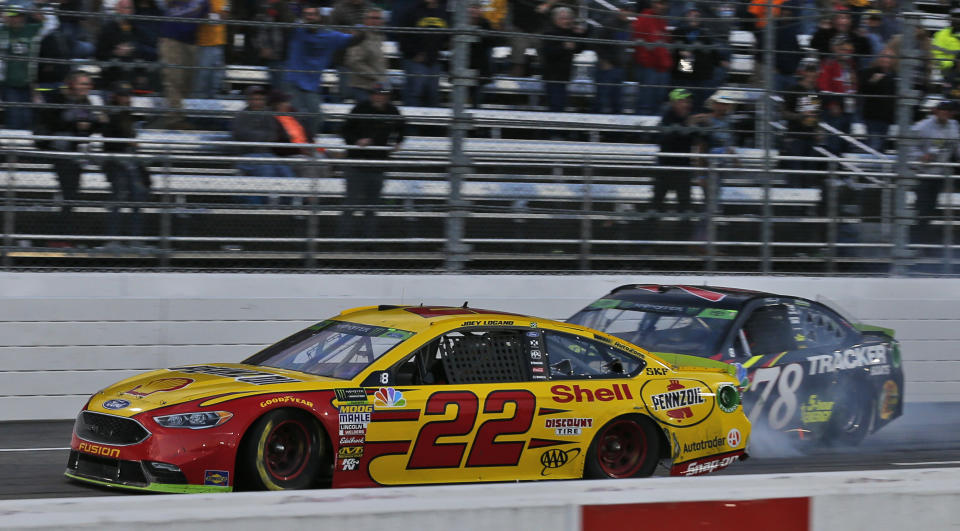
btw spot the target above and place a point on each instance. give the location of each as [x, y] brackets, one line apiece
[167, 387]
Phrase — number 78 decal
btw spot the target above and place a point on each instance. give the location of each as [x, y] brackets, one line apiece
[787, 380]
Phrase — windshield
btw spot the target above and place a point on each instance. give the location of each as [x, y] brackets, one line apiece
[331, 348]
[695, 330]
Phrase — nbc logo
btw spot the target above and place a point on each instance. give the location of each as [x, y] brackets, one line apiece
[389, 397]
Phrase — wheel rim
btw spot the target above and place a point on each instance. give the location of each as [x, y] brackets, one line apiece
[287, 449]
[622, 449]
[853, 420]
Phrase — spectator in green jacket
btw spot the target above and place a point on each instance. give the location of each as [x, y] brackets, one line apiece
[20, 37]
[946, 42]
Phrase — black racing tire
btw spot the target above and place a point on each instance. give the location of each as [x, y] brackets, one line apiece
[625, 447]
[283, 450]
[852, 416]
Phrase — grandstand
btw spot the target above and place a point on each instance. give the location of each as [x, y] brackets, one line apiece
[505, 184]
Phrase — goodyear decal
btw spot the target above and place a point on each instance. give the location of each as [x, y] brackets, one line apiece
[286, 400]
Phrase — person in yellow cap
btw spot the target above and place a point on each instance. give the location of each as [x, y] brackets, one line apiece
[946, 42]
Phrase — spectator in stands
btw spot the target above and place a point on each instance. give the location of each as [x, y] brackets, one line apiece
[717, 136]
[120, 45]
[68, 121]
[693, 67]
[148, 34]
[678, 134]
[938, 141]
[308, 54]
[421, 53]
[364, 183]
[129, 178]
[837, 83]
[19, 37]
[654, 63]
[841, 24]
[556, 57]
[346, 13]
[878, 85]
[480, 52]
[872, 30]
[269, 42]
[890, 16]
[59, 45]
[211, 41]
[177, 49]
[366, 61]
[526, 19]
[292, 131]
[787, 45]
[78, 29]
[610, 72]
[255, 124]
[801, 110]
[946, 42]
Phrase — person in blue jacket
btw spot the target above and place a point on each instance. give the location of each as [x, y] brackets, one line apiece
[309, 52]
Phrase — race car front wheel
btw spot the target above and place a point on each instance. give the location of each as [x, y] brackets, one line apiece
[625, 447]
[283, 450]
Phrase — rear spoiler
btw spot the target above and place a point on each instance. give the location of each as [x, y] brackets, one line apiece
[870, 328]
[687, 360]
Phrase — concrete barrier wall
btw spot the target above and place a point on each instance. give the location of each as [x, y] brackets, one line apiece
[899, 499]
[66, 335]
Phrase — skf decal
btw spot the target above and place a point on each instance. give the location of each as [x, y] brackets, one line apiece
[219, 478]
[851, 358]
[565, 393]
[677, 400]
[240, 375]
[556, 458]
[96, 449]
[656, 371]
[159, 386]
[347, 452]
[563, 427]
[389, 397]
[286, 400]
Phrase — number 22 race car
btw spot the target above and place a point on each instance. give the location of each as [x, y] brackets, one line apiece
[394, 395]
[808, 372]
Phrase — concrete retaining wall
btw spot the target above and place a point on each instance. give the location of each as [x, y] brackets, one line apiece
[66, 335]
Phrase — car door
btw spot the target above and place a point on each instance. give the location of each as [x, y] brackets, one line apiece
[467, 409]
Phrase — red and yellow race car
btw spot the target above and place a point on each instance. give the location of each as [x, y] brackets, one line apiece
[391, 395]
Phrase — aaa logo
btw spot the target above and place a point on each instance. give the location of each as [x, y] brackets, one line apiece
[389, 397]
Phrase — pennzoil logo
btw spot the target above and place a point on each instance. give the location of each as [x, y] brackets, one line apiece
[96, 449]
[677, 400]
[556, 458]
[162, 385]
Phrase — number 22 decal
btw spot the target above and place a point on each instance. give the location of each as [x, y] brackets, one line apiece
[486, 450]
[787, 379]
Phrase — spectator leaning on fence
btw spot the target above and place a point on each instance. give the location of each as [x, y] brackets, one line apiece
[372, 123]
[309, 51]
[653, 62]
[421, 53]
[556, 56]
[177, 49]
[19, 37]
[211, 41]
[366, 61]
[78, 120]
[938, 141]
[129, 178]
[292, 132]
[255, 124]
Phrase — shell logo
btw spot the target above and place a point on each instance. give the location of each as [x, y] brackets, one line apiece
[162, 385]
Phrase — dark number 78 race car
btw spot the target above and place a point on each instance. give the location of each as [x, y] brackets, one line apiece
[807, 371]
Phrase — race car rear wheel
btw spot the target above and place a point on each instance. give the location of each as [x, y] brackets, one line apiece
[625, 447]
[851, 418]
[283, 450]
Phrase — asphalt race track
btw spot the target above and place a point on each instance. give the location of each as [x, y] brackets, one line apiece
[33, 455]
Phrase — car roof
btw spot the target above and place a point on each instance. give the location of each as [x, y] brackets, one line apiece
[684, 294]
[420, 318]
